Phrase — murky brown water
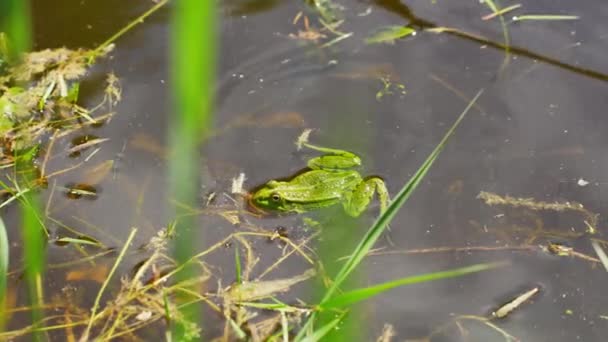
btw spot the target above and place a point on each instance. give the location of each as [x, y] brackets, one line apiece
[538, 130]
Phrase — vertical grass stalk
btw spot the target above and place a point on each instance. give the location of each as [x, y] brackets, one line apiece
[34, 253]
[15, 21]
[193, 49]
[376, 230]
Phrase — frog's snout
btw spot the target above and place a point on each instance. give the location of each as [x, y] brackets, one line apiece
[252, 207]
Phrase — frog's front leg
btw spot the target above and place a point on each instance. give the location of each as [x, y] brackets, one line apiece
[359, 199]
[334, 159]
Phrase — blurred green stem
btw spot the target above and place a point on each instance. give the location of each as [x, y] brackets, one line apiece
[16, 23]
[193, 49]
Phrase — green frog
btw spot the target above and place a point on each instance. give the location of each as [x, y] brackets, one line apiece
[330, 180]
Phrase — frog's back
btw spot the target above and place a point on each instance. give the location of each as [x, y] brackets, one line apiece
[321, 185]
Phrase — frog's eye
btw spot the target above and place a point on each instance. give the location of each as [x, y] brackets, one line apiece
[275, 197]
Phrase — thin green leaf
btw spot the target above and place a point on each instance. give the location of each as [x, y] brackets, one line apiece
[194, 27]
[382, 222]
[319, 334]
[354, 296]
[73, 93]
[505, 31]
[14, 196]
[273, 306]
[237, 330]
[285, 326]
[327, 9]
[389, 34]
[45, 96]
[4, 49]
[168, 318]
[15, 21]
[237, 266]
[265, 306]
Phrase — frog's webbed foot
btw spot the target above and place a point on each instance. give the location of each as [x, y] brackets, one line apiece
[382, 192]
[363, 194]
[369, 186]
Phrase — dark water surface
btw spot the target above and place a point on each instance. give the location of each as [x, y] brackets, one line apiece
[538, 130]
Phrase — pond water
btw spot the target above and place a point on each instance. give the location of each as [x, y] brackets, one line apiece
[538, 131]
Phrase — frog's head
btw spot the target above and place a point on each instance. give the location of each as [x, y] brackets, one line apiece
[268, 198]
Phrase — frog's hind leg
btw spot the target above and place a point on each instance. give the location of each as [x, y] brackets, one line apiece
[359, 199]
[333, 159]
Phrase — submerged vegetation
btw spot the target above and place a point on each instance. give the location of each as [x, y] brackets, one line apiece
[168, 282]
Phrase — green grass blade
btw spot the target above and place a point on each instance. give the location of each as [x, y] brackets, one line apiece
[4, 258]
[237, 265]
[34, 254]
[327, 9]
[505, 31]
[284, 326]
[193, 59]
[324, 330]
[354, 296]
[15, 21]
[382, 222]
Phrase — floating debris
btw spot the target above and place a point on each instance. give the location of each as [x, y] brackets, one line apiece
[82, 143]
[237, 184]
[491, 199]
[303, 138]
[39, 95]
[389, 34]
[501, 12]
[600, 253]
[559, 249]
[388, 88]
[544, 17]
[328, 10]
[77, 191]
[309, 33]
[255, 290]
[144, 316]
[388, 332]
[506, 309]
[365, 13]
[80, 240]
